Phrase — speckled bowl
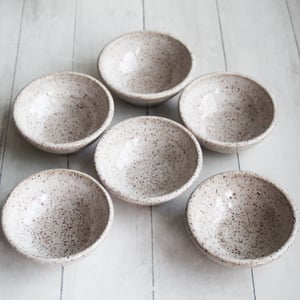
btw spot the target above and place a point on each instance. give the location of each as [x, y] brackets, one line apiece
[63, 112]
[145, 67]
[148, 160]
[227, 112]
[57, 216]
[239, 218]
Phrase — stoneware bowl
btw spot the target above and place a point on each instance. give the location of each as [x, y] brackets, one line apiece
[227, 112]
[241, 219]
[148, 160]
[57, 216]
[145, 67]
[63, 112]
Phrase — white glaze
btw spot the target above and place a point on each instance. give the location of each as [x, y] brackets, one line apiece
[240, 218]
[148, 160]
[63, 112]
[146, 67]
[57, 216]
[227, 112]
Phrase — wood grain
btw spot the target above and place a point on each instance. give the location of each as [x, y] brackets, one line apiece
[147, 254]
[180, 270]
[259, 41]
[45, 46]
[120, 268]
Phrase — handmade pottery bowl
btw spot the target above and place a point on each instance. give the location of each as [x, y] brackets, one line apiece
[227, 112]
[241, 219]
[63, 112]
[57, 216]
[145, 67]
[148, 160]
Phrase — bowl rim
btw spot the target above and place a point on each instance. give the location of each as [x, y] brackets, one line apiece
[64, 259]
[66, 147]
[148, 201]
[248, 262]
[216, 143]
[145, 96]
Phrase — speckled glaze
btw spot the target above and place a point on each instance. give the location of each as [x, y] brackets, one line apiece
[239, 218]
[227, 112]
[57, 216]
[148, 160]
[63, 112]
[145, 67]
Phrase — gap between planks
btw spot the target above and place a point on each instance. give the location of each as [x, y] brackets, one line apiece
[237, 155]
[12, 89]
[68, 155]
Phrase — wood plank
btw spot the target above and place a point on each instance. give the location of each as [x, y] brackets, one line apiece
[293, 7]
[121, 266]
[180, 271]
[45, 46]
[259, 41]
[9, 37]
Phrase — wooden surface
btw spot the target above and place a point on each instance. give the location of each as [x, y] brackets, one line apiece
[147, 254]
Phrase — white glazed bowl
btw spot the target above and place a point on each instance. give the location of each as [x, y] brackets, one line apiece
[239, 218]
[57, 216]
[148, 160]
[227, 112]
[63, 112]
[145, 67]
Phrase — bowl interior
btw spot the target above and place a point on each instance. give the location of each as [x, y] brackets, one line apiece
[240, 216]
[61, 108]
[56, 214]
[146, 157]
[145, 62]
[227, 108]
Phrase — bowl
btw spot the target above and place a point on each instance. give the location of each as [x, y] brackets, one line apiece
[63, 112]
[239, 218]
[57, 216]
[145, 67]
[148, 160]
[227, 112]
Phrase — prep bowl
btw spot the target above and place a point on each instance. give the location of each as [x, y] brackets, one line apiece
[63, 112]
[227, 112]
[145, 67]
[148, 160]
[241, 219]
[57, 216]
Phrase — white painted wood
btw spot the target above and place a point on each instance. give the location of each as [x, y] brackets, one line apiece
[45, 46]
[9, 34]
[120, 268]
[259, 41]
[180, 270]
[293, 7]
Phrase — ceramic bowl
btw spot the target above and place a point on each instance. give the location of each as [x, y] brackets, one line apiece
[145, 67]
[57, 216]
[227, 112]
[241, 219]
[63, 112]
[148, 160]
